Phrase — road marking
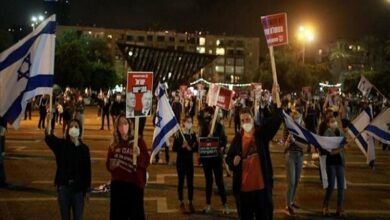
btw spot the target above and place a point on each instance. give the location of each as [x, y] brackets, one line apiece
[162, 206]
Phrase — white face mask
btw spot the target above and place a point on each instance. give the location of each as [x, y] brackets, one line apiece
[247, 127]
[333, 125]
[188, 125]
[74, 132]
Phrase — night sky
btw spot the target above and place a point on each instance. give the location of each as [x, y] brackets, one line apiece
[332, 19]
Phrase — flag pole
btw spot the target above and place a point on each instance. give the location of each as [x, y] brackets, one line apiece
[214, 121]
[274, 76]
[135, 142]
[53, 52]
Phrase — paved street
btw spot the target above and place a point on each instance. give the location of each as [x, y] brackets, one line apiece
[30, 168]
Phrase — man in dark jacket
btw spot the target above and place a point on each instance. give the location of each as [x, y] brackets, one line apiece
[249, 159]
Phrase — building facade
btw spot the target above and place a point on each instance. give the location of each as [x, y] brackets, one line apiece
[237, 56]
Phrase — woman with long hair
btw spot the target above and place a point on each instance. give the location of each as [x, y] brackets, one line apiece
[184, 161]
[73, 175]
[127, 180]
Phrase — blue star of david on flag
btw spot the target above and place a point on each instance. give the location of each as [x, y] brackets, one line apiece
[24, 69]
[158, 120]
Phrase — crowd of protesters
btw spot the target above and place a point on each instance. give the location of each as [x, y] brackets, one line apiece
[246, 156]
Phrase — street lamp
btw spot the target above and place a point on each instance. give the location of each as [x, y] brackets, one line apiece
[35, 20]
[305, 35]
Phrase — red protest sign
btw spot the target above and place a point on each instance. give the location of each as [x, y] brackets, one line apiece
[275, 29]
[208, 147]
[139, 96]
[224, 98]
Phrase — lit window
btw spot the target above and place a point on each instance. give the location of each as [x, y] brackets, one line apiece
[109, 36]
[210, 51]
[89, 32]
[218, 42]
[202, 41]
[220, 51]
[201, 50]
[219, 69]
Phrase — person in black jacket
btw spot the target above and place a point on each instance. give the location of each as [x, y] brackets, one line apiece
[249, 159]
[214, 164]
[184, 161]
[73, 175]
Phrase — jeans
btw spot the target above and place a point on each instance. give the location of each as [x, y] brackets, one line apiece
[70, 200]
[185, 170]
[210, 166]
[2, 149]
[334, 171]
[294, 162]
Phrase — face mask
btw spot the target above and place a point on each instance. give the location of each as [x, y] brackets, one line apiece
[247, 127]
[333, 125]
[74, 132]
[220, 115]
[188, 125]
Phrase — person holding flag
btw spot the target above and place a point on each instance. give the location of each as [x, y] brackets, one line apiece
[127, 180]
[73, 175]
[335, 165]
[185, 145]
[250, 160]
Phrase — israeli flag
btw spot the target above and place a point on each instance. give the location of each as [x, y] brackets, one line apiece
[379, 128]
[165, 123]
[326, 143]
[362, 138]
[26, 70]
[364, 85]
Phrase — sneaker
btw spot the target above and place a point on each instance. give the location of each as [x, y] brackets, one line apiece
[226, 210]
[290, 211]
[207, 209]
[191, 208]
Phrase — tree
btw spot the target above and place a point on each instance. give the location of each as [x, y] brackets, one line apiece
[83, 61]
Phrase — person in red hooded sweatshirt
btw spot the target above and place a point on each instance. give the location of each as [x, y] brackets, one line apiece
[127, 181]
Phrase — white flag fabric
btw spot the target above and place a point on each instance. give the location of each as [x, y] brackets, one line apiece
[379, 128]
[26, 70]
[364, 85]
[362, 138]
[326, 143]
[165, 123]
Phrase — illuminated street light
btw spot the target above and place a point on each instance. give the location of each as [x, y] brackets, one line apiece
[35, 20]
[305, 35]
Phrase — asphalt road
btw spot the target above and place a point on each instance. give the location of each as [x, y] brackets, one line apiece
[30, 169]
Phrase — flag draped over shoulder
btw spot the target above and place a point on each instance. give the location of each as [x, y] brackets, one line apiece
[364, 86]
[362, 138]
[165, 122]
[326, 143]
[379, 128]
[26, 70]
